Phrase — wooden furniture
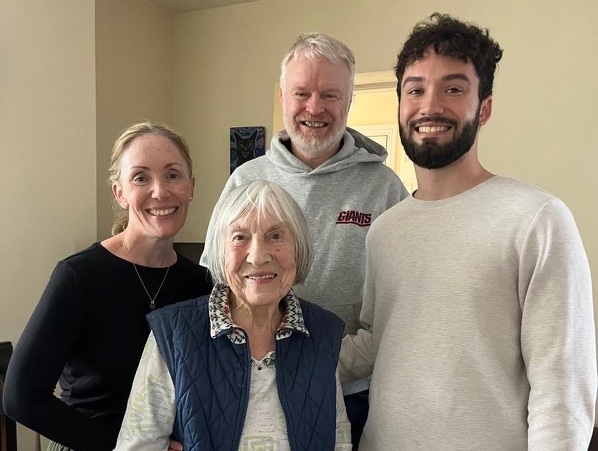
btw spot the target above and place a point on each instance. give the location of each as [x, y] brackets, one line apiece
[190, 250]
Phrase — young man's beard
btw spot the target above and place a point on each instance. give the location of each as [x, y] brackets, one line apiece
[432, 155]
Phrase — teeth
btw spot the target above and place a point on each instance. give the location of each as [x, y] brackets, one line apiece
[163, 212]
[271, 276]
[314, 124]
[433, 128]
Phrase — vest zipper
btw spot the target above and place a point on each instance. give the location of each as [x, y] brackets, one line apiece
[247, 387]
[282, 398]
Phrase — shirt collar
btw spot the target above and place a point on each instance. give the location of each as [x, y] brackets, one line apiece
[221, 321]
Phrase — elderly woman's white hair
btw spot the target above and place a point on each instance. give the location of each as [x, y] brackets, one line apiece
[265, 198]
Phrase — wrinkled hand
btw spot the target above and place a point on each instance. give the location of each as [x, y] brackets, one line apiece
[175, 446]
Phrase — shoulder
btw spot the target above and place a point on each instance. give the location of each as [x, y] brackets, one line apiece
[91, 253]
[383, 173]
[91, 260]
[388, 181]
[515, 197]
[506, 186]
[392, 212]
[249, 170]
[258, 168]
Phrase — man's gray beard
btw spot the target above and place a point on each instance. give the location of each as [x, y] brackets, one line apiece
[314, 146]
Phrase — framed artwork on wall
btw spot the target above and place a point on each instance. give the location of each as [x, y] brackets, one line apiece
[246, 143]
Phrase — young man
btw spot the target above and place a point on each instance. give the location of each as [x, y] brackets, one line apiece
[478, 295]
[337, 177]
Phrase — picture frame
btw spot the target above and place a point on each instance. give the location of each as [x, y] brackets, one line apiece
[246, 143]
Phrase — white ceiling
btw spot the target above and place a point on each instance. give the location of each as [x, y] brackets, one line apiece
[184, 6]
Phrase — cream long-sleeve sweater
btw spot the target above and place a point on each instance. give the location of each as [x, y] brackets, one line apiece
[481, 317]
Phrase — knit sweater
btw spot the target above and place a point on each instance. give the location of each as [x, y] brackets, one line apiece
[482, 329]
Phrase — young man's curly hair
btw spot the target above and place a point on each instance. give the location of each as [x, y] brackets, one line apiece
[451, 37]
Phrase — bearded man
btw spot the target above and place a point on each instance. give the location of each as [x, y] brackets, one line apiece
[477, 306]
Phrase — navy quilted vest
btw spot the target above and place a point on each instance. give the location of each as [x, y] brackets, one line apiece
[212, 378]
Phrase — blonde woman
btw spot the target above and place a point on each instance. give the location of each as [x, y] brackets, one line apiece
[89, 328]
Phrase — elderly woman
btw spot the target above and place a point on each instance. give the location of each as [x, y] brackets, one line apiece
[250, 366]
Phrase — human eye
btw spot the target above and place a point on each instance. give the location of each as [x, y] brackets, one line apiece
[300, 95]
[454, 90]
[174, 176]
[414, 91]
[277, 235]
[140, 179]
[238, 237]
[331, 96]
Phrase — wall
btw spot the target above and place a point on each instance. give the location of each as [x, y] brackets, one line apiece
[47, 111]
[134, 77]
[541, 130]
[73, 74]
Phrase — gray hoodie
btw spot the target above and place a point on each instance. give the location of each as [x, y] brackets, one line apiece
[340, 199]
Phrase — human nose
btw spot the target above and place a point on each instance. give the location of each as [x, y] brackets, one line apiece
[160, 189]
[314, 105]
[431, 104]
[258, 253]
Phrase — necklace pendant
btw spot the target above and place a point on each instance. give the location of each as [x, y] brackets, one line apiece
[152, 299]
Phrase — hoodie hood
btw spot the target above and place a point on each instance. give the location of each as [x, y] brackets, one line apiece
[356, 148]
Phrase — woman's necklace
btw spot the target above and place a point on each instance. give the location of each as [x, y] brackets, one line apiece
[152, 299]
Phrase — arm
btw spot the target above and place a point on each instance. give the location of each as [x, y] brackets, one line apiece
[343, 427]
[357, 356]
[39, 358]
[358, 352]
[557, 332]
[151, 411]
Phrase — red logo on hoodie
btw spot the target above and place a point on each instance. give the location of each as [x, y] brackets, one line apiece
[354, 217]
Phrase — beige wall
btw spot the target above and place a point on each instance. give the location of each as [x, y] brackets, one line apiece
[47, 125]
[135, 79]
[73, 74]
